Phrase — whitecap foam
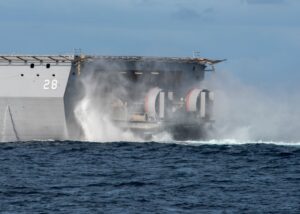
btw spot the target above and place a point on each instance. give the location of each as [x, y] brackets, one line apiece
[236, 142]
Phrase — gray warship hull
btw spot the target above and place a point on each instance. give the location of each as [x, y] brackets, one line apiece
[39, 95]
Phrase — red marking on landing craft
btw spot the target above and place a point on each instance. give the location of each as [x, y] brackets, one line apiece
[187, 99]
[147, 100]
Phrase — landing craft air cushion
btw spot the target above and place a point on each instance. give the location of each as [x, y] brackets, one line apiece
[145, 95]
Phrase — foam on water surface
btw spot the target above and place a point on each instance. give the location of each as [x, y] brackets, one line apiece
[237, 142]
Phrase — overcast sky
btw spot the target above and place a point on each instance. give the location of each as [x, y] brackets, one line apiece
[259, 38]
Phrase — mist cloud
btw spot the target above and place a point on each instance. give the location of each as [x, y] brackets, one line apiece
[245, 112]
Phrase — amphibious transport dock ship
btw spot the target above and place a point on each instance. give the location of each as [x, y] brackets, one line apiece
[39, 95]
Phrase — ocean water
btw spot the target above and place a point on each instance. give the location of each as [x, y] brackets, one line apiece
[217, 176]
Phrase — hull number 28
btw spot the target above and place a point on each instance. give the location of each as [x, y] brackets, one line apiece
[50, 84]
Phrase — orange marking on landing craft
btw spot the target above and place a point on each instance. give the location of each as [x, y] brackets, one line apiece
[187, 99]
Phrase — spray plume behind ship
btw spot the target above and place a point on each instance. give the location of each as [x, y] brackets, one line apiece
[104, 98]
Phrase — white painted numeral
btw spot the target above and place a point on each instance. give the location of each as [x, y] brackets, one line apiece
[54, 84]
[48, 84]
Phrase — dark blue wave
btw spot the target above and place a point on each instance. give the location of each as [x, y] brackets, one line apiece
[149, 177]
